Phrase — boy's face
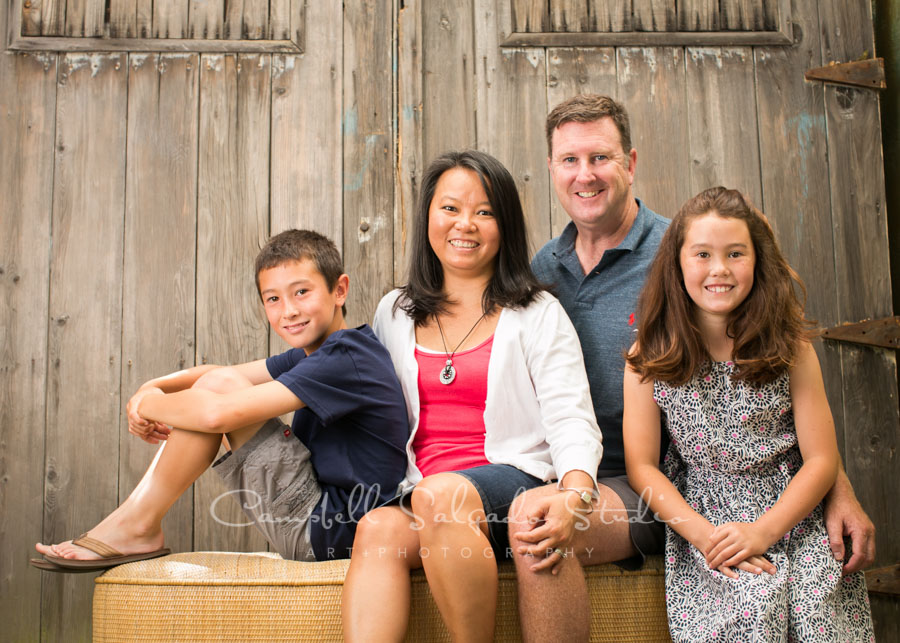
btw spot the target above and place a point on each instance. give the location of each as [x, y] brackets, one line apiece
[299, 305]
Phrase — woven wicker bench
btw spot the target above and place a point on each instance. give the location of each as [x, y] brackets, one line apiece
[209, 596]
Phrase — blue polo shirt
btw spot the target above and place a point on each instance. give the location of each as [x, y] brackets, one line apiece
[354, 425]
[601, 305]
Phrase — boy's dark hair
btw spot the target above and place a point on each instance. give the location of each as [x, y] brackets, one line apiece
[588, 108]
[766, 327]
[512, 285]
[295, 245]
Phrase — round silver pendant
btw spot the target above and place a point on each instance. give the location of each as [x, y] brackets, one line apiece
[448, 374]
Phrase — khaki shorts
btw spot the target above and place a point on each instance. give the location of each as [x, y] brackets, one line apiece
[274, 482]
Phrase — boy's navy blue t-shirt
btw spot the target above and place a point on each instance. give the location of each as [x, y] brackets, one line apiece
[354, 425]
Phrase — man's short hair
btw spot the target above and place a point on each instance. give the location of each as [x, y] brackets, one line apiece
[588, 108]
[296, 245]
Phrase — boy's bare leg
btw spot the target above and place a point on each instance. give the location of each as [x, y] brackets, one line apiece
[556, 606]
[136, 525]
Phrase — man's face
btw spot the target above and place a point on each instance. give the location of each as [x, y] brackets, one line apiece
[591, 172]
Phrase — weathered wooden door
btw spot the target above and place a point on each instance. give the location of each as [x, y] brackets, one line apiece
[147, 151]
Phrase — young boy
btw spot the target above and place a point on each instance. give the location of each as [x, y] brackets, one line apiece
[306, 491]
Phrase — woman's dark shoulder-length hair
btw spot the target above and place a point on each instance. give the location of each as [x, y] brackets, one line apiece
[766, 327]
[512, 285]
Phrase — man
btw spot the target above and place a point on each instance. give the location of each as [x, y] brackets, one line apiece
[598, 266]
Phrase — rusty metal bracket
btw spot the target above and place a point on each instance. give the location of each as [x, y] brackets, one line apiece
[885, 580]
[874, 332]
[860, 73]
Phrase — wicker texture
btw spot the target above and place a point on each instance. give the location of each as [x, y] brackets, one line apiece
[209, 596]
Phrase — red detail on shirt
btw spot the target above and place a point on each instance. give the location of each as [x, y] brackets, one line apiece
[450, 436]
[631, 319]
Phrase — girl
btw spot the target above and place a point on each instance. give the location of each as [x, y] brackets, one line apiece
[498, 403]
[723, 354]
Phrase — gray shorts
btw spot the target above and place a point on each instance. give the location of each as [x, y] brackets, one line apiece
[272, 478]
[647, 534]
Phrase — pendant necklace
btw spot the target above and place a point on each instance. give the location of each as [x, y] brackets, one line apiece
[448, 373]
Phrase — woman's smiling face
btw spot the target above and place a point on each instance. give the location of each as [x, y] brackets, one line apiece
[462, 229]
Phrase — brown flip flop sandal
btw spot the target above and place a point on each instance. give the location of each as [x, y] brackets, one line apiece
[109, 557]
[47, 566]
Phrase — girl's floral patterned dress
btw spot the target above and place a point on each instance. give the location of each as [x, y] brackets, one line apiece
[733, 451]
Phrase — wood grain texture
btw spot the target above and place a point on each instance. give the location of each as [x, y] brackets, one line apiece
[698, 15]
[232, 224]
[27, 122]
[85, 315]
[206, 19]
[795, 181]
[160, 245]
[572, 71]
[572, 15]
[748, 15]
[279, 27]
[410, 129]
[722, 121]
[448, 92]
[652, 87]
[53, 17]
[531, 15]
[368, 154]
[123, 16]
[862, 274]
[610, 15]
[511, 100]
[170, 19]
[85, 18]
[653, 15]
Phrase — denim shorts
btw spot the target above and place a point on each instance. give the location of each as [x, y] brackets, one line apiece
[273, 480]
[498, 485]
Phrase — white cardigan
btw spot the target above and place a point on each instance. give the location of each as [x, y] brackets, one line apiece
[538, 414]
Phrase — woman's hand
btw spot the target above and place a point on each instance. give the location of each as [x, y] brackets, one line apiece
[735, 543]
[556, 518]
[146, 430]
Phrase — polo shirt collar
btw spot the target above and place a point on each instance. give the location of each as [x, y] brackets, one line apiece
[565, 244]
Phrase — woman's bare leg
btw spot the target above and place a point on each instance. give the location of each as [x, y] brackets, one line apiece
[375, 603]
[457, 555]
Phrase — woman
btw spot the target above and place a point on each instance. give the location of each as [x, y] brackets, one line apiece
[498, 403]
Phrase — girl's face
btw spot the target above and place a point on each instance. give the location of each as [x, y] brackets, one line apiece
[717, 261]
[462, 229]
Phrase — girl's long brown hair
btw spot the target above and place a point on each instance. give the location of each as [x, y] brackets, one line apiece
[766, 327]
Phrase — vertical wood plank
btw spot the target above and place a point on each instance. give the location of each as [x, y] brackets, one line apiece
[232, 224]
[652, 88]
[27, 121]
[368, 154]
[53, 17]
[206, 19]
[160, 240]
[570, 16]
[31, 19]
[123, 19]
[255, 20]
[170, 18]
[862, 267]
[234, 13]
[610, 15]
[654, 15]
[698, 15]
[280, 20]
[511, 99]
[85, 18]
[571, 71]
[722, 120]
[411, 158]
[448, 91]
[795, 180]
[85, 321]
[745, 15]
[531, 15]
